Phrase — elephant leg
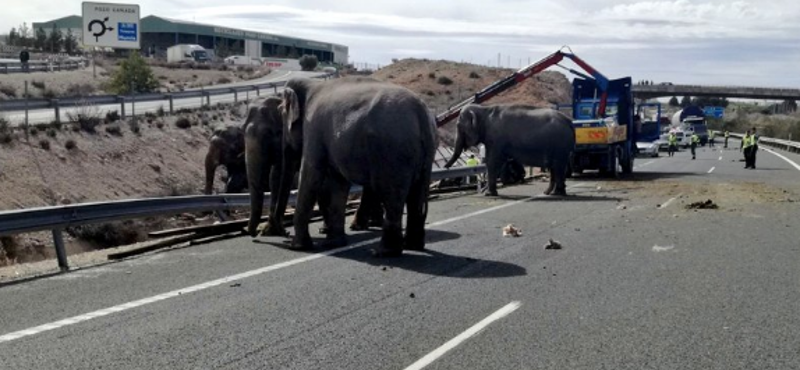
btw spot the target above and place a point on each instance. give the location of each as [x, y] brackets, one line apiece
[324, 202]
[493, 167]
[369, 213]
[552, 185]
[336, 190]
[275, 222]
[417, 210]
[560, 180]
[307, 196]
[392, 240]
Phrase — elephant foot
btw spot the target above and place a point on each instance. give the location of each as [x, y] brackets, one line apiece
[323, 230]
[334, 242]
[391, 244]
[561, 192]
[386, 253]
[491, 194]
[302, 243]
[358, 226]
[376, 223]
[414, 243]
[273, 230]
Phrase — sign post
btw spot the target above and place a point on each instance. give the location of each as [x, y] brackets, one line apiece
[111, 25]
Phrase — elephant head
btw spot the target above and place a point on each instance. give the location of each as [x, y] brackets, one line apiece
[262, 137]
[226, 148]
[471, 131]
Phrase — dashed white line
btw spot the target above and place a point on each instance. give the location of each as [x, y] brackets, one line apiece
[667, 203]
[644, 164]
[720, 158]
[712, 169]
[453, 343]
[781, 156]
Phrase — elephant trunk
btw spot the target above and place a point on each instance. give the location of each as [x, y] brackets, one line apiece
[255, 160]
[457, 152]
[212, 161]
[288, 171]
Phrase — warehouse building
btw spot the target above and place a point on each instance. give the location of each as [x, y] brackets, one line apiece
[159, 33]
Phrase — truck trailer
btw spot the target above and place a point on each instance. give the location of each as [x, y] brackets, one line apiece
[187, 53]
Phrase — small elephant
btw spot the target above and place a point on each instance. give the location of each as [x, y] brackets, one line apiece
[531, 136]
[362, 131]
[226, 148]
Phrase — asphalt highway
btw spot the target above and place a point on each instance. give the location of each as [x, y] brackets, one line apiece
[641, 282]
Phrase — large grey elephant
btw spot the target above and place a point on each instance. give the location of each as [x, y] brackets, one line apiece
[263, 154]
[358, 130]
[226, 148]
[531, 136]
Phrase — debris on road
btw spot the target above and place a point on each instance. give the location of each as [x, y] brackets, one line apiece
[511, 230]
[412, 295]
[236, 285]
[621, 207]
[552, 244]
[708, 204]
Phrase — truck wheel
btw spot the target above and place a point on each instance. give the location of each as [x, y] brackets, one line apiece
[627, 164]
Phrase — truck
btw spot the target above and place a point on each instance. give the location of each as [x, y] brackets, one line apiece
[602, 113]
[187, 53]
[691, 120]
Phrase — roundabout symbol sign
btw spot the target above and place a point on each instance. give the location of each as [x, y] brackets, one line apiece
[111, 25]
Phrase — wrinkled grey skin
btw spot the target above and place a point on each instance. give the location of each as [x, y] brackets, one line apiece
[226, 148]
[366, 132]
[533, 137]
[263, 154]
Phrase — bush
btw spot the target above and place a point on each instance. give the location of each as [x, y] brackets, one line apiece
[223, 67]
[430, 93]
[133, 70]
[432, 75]
[444, 80]
[34, 131]
[474, 74]
[56, 125]
[49, 93]
[51, 132]
[44, 144]
[6, 134]
[160, 125]
[115, 130]
[161, 112]
[38, 84]
[112, 116]
[110, 234]
[134, 126]
[224, 80]
[183, 123]
[70, 144]
[9, 246]
[10, 91]
[308, 62]
[80, 89]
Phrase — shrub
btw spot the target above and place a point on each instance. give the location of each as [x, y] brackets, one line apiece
[9, 246]
[224, 80]
[115, 130]
[162, 78]
[87, 116]
[49, 93]
[474, 74]
[432, 75]
[134, 126]
[80, 89]
[112, 116]
[34, 131]
[183, 123]
[56, 125]
[133, 70]
[110, 234]
[150, 115]
[6, 134]
[44, 144]
[161, 112]
[10, 91]
[160, 125]
[70, 144]
[309, 62]
[51, 132]
[430, 93]
[223, 67]
[444, 80]
[38, 84]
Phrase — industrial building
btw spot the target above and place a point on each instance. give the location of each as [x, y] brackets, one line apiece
[159, 33]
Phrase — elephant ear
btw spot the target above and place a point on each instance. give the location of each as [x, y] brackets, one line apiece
[290, 108]
[470, 128]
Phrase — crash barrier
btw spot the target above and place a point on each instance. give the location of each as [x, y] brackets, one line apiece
[169, 98]
[58, 218]
[789, 146]
[40, 66]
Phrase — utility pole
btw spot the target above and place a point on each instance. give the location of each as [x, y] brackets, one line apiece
[499, 65]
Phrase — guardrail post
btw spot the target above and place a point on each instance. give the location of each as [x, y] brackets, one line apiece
[122, 106]
[235, 96]
[6, 67]
[275, 87]
[57, 110]
[171, 104]
[61, 252]
[258, 91]
[208, 98]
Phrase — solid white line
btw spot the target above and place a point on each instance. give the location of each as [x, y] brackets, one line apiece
[645, 164]
[667, 203]
[781, 156]
[712, 169]
[453, 343]
[225, 280]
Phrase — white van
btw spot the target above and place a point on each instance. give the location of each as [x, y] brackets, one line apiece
[242, 60]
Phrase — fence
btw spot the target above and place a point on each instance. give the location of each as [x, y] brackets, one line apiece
[789, 146]
[58, 218]
[40, 66]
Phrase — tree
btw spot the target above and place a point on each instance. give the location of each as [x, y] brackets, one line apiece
[70, 42]
[674, 102]
[40, 39]
[55, 41]
[133, 70]
[309, 62]
[222, 50]
[686, 101]
[24, 34]
[12, 36]
[292, 53]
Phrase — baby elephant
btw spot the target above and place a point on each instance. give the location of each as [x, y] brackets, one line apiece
[226, 148]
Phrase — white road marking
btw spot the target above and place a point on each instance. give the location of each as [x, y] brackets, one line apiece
[645, 164]
[712, 169]
[663, 249]
[225, 280]
[471, 332]
[720, 158]
[667, 203]
[781, 156]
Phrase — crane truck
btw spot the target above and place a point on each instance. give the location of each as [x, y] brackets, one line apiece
[602, 113]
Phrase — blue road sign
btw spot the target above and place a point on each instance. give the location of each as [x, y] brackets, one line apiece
[126, 31]
[716, 112]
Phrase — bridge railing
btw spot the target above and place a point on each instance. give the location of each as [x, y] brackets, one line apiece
[58, 218]
[658, 87]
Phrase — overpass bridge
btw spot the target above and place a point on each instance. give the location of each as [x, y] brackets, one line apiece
[658, 91]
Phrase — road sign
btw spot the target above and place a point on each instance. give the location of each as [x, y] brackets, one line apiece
[111, 25]
[716, 112]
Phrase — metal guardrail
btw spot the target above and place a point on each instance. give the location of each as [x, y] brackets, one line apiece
[789, 146]
[58, 218]
[40, 66]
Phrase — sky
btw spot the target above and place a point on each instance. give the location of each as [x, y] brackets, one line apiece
[744, 43]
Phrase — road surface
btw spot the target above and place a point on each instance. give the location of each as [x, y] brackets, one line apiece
[641, 283]
[48, 115]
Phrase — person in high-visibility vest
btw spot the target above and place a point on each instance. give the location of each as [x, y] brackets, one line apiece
[745, 148]
[727, 134]
[711, 138]
[753, 148]
[673, 144]
[695, 141]
[472, 162]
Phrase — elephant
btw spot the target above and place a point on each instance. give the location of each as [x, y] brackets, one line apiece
[358, 130]
[226, 148]
[531, 136]
[263, 155]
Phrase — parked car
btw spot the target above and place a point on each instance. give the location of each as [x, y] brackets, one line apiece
[649, 149]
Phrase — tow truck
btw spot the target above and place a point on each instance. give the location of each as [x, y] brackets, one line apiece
[602, 113]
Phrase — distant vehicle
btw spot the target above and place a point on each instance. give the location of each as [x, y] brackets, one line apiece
[187, 53]
[666, 84]
[691, 119]
[243, 60]
[649, 149]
